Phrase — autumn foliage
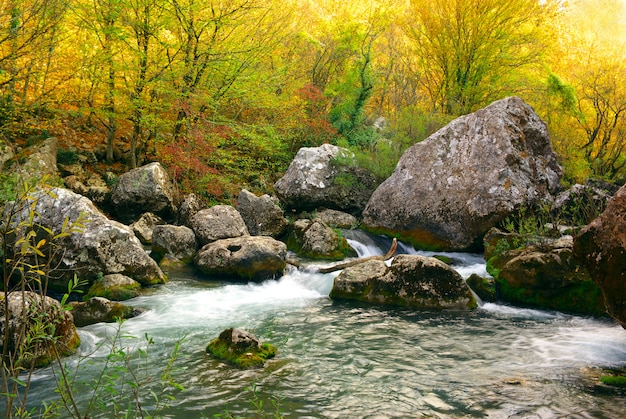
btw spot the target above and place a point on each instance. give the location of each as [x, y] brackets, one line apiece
[224, 93]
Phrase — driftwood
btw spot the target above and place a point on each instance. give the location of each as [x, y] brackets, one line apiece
[339, 266]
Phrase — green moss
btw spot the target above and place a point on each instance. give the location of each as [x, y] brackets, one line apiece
[445, 259]
[121, 293]
[614, 380]
[241, 358]
[583, 297]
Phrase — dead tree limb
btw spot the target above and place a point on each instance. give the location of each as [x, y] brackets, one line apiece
[390, 253]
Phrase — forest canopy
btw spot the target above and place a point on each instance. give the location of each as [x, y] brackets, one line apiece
[225, 92]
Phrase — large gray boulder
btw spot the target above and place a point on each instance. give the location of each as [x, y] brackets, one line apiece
[262, 215]
[449, 190]
[411, 281]
[27, 313]
[216, 223]
[99, 247]
[176, 243]
[145, 189]
[249, 258]
[42, 162]
[327, 177]
[601, 246]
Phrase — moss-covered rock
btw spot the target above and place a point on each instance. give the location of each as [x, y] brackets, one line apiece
[316, 240]
[545, 275]
[485, 288]
[240, 348]
[410, 281]
[116, 287]
[98, 309]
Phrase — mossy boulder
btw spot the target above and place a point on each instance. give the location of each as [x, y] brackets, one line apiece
[410, 281]
[241, 349]
[116, 287]
[485, 288]
[317, 240]
[34, 321]
[546, 275]
[98, 309]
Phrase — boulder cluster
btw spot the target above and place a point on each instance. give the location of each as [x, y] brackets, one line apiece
[449, 192]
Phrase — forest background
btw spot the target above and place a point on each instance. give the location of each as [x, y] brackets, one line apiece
[224, 93]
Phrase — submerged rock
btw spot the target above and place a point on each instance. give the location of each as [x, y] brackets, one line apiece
[411, 280]
[325, 177]
[601, 246]
[241, 349]
[450, 189]
[38, 325]
[248, 257]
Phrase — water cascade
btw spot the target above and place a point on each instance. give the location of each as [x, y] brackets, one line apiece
[341, 359]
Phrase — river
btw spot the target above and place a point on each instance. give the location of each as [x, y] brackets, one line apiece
[350, 360]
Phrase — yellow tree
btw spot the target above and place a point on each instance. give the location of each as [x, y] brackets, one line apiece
[592, 137]
[28, 35]
[470, 52]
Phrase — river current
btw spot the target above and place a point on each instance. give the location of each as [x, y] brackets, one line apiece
[350, 360]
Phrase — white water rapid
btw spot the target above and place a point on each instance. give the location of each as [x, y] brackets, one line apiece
[349, 360]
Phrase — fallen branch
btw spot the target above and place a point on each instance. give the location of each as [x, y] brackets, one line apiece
[388, 255]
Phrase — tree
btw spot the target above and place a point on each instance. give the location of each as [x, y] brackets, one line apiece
[27, 38]
[469, 52]
[144, 20]
[591, 134]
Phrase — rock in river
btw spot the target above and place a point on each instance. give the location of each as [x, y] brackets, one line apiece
[248, 257]
[411, 281]
[450, 189]
[602, 247]
[240, 348]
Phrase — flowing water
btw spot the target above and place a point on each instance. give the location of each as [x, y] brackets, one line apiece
[348, 360]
